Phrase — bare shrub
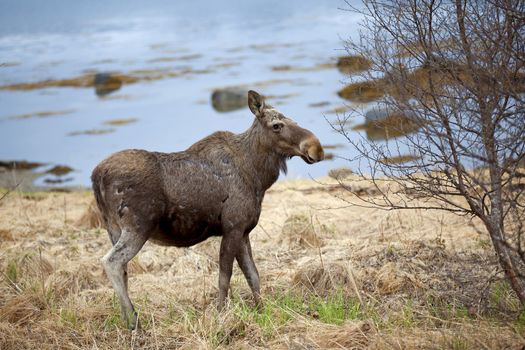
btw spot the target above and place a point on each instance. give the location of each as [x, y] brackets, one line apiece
[456, 70]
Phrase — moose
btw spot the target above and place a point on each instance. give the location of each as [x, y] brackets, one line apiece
[214, 188]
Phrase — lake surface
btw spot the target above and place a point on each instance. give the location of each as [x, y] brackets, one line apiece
[178, 52]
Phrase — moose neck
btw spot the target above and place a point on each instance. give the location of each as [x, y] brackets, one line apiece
[261, 163]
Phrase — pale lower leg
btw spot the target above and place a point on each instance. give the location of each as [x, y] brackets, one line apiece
[115, 264]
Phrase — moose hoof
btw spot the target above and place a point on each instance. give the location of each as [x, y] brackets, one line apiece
[133, 322]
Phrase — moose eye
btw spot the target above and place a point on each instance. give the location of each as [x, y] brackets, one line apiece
[277, 127]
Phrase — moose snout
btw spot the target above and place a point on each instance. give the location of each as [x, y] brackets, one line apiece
[312, 151]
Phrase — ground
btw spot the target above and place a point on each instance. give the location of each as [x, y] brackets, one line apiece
[333, 275]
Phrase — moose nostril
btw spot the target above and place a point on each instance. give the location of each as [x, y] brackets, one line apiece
[318, 152]
[312, 150]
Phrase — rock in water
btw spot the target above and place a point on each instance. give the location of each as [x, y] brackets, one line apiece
[229, 99]
[106, 83]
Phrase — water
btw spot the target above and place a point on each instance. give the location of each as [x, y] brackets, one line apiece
[208, 44]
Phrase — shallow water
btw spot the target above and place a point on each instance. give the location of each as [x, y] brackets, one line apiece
[182, 50]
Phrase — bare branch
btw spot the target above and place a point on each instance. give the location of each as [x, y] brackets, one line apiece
[452, 75]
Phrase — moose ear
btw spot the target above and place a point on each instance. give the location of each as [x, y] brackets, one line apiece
[256, 103]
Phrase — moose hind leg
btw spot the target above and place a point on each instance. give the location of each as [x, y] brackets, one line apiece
[115, 264]
[114, 233]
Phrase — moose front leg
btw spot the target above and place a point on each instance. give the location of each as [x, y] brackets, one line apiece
[247, 265]
[229, 248]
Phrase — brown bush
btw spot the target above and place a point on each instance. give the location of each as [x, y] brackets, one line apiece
[299, 231]
[323, 280]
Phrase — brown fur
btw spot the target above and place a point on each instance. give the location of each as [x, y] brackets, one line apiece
[214, 188]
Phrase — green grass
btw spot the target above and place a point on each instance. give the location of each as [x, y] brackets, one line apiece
[69, 317]
[12, 271]
[520, 322]
[335, 309]
[279, 309]
[98, 232]
[459, 343]
[502, 297]
[274, 313]
[460, 312]
[408, 318]
[113, 320]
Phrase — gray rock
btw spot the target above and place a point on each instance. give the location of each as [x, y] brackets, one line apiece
[229, 99]
[106, 83]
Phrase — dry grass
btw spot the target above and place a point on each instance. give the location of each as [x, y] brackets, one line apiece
[300, 231]
[324, 279]
[350, 278]
[91, 218]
